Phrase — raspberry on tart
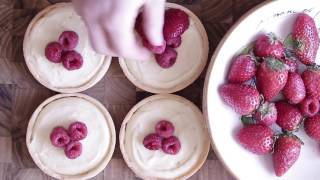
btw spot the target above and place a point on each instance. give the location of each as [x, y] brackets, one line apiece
[59, 137]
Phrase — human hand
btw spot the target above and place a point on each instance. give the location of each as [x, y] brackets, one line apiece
[111, 25]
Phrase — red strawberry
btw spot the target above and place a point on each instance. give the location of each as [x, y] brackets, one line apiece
[292, 64]
[244, 99]
[294, 90]
[145, 42]
[289, 116]
[266, 114]
[242, 69]
[271, 76]
[312, 127]
[256, 138]
[286, 152]
[311, 79]
[306, 39]
[176, 22]
[267, 45]
[309, 107]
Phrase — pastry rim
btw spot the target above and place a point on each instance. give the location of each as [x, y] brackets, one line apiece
[26, 44]
[103, 163]
[145, 101]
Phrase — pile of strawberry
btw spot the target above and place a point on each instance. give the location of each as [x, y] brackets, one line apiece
[265, 87]
[176, 22]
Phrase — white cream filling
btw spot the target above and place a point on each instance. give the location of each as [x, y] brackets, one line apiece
[63, 112]
[190, 53]
[48, 29]
[188, 129]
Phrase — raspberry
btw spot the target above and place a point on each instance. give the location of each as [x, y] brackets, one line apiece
[174, 42]
[164, 128]
[77, 131]
[73, 149]
[59, 137]
[176, 22]
[72, 60]
[152, 141]
[309, 107]
[167, 58]
[69, 40]
[53, 52]
[171, 145]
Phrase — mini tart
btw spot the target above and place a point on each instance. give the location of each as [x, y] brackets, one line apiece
[189, 128]
[191, 60]
[47, 27]
[62, 110]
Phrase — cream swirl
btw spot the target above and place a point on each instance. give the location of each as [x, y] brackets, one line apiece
[188, 128]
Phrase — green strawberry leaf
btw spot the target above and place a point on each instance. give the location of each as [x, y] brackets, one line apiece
[299, 45]
[247, 120]
[272, 38]
[290, 54]
[276, 64]
[288, 42]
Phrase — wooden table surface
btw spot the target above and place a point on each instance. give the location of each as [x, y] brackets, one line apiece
[20, 93]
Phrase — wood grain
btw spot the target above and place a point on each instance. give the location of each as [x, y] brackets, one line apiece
[20, 94]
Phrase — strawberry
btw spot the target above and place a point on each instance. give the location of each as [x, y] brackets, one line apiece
[176, 22]
[266, 114]
[244, 99]
[256, 138]
[145, 42]
[242, 69]
[312, 127]
[292, 64]
[306, 39]
[271, 76]
[311, 79]
[294, 89]
[267, 45]
[309, 107]
[289, 116]
[286, 152]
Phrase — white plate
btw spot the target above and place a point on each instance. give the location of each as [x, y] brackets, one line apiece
[272, 16]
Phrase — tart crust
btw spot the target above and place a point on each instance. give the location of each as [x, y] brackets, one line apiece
[26, 43]
[89, 174]
[122, 133]
[177, 87]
